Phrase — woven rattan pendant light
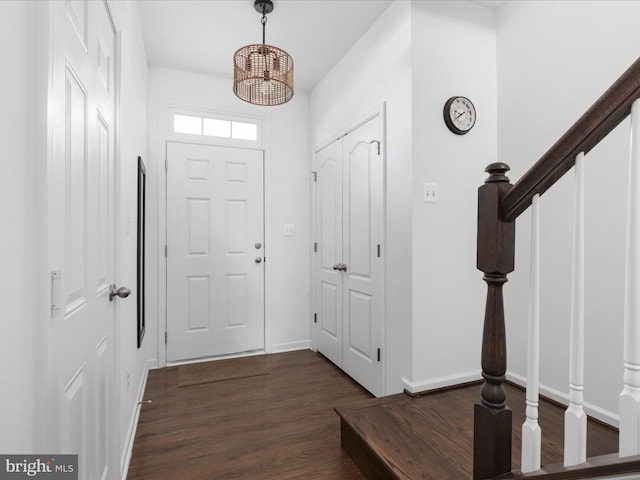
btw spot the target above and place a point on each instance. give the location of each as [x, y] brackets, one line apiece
[263, 74]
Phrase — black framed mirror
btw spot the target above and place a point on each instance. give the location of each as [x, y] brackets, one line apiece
[142, 174]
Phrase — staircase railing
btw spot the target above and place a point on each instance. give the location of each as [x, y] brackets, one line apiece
[499, 205]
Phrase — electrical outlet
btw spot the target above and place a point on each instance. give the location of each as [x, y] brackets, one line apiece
[430, 192]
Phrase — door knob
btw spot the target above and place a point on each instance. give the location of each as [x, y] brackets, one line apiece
[342, 267]
[336, 267]
[122, 292]
[258, 259]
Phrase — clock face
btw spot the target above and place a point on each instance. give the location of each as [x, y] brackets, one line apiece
[459, 115]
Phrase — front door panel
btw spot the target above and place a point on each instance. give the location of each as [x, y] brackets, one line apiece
[215, 237]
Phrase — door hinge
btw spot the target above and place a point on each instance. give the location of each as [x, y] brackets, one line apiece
[315, 247]
[166, 165]
[315, 176]
[165, 338]
[315, 318]
[378, 250]
[166, 248]
[378, 354]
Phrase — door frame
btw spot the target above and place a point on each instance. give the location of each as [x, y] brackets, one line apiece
[165, 134]
[378, 110]
[44, 149]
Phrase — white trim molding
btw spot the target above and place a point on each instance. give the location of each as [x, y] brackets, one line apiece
[291, 346]
[127, 451]
[441, 382]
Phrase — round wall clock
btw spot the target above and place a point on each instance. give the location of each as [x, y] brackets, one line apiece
[459, 115]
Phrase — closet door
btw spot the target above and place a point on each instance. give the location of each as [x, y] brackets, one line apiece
[330, 279]
[361, 255]
[349, 267]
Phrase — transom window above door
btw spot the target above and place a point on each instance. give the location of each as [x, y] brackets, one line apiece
[216, 127]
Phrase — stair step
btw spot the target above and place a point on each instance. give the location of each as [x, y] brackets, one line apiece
[430, 436]
[411, 438]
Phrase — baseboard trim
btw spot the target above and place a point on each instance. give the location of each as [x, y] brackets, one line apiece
[605, 416]
[440, 382]
[127, 451]
[291, 346]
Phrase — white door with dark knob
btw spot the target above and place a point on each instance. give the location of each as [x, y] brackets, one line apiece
[83, 368]
[215, 251]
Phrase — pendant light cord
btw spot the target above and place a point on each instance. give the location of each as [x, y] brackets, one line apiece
[264, 21]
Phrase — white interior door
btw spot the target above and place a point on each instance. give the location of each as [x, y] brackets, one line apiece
[362, 256]
[329, 220]
[215, 251]
[81, 350]
[349, 216]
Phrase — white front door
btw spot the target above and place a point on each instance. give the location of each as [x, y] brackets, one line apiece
[81, 358]
[215, 251]
[349, 215]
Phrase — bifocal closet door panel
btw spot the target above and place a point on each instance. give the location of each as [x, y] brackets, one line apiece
[362, 196]
[349, 264]
[329, 230]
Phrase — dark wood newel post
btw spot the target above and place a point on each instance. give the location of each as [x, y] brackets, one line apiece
[492, 417]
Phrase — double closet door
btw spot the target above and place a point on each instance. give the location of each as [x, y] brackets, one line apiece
[349, 320]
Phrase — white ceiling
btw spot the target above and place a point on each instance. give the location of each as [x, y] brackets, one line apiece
[202, 35]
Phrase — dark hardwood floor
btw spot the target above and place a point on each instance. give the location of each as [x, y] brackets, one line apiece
[276, 426]
[283, 426]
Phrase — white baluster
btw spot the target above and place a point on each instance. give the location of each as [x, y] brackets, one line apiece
[531, 433]
[575, 420]
[630, 396]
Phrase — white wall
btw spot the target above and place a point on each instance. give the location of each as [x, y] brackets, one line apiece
[21, 185]
[454, 53]
[378, 69]
[287, 186]
[555, 58]
[133, 143]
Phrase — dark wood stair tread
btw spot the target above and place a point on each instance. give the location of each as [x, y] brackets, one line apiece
[431, 436]
[409, 438]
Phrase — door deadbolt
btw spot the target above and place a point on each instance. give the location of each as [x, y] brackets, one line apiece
[258, 246]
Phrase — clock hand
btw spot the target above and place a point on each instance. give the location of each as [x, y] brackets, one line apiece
[459, 114]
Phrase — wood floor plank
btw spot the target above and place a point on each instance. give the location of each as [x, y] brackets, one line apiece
[276, 426]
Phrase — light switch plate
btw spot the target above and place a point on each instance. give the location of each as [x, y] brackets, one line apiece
[288, 230]
[430, 192]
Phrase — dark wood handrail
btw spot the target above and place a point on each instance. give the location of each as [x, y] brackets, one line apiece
[597, 122]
